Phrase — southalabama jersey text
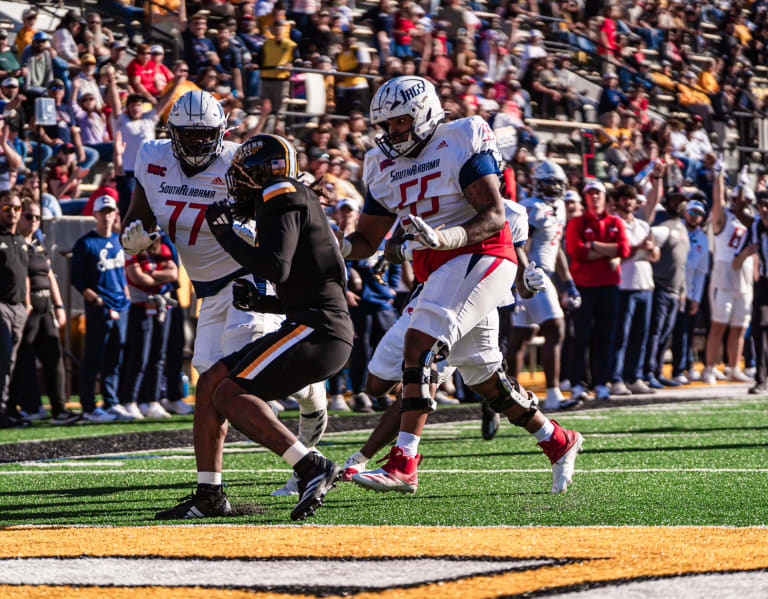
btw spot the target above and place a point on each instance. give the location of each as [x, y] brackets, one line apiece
[431, 186]
[179, 202]
[547, 223]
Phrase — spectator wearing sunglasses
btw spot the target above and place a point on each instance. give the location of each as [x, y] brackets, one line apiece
[141, 74]
[99, 38]
[37, 59]
[27, 31]
[41, 333]
[14, 301]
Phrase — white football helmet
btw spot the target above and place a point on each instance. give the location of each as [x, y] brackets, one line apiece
[197, 124]
[407, 95]
[549, 181]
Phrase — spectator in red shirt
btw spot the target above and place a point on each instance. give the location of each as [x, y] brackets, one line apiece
[595, 241]
[162, 73]
[141, 74]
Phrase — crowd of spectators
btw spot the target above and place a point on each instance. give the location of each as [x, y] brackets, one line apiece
[609, 65]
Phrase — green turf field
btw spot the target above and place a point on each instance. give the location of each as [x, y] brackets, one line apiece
[700, 463]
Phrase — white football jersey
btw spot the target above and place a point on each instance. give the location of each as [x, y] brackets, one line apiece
[179, 202]
[428, 185]
[517, 220]
[547, 223]
[727, 245]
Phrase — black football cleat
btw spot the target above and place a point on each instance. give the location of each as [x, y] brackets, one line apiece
[491, 422]
[317, 478]
[198, 505]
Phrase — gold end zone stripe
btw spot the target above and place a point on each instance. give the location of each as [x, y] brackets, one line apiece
[271, 350]
[613, 553]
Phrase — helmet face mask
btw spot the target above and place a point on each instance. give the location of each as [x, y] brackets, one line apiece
[549, 181]
[406, 96]
[197, 125]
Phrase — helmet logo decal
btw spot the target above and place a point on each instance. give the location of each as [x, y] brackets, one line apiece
[413, 91]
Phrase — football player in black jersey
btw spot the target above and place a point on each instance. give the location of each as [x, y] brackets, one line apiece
[298, 252]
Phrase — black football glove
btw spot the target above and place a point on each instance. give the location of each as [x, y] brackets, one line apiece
[219, 218]
[246, 297]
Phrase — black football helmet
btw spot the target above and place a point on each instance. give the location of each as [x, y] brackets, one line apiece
[261, 158]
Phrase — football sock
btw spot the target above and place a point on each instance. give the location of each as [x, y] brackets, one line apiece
[209, 478]
[294, 453]
[545, 432]
[408, 443]
[359, 457]
[204, 489]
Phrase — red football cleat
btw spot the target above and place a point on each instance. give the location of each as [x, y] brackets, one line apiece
[398, 474]
[561, 449]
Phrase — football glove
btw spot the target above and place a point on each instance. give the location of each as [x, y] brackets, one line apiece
[219, 218]
[533, 277]
[423, 233]
[246, 297]
[135, 239]
[574, 297]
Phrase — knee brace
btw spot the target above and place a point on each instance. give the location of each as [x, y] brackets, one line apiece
[510, 396]
[422, 375]
[313, 414]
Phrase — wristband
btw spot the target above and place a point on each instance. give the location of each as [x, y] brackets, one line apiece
[56, 307]
[453, 238]
[345, 245]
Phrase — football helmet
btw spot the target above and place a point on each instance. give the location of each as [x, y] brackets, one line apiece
[197, 125]
[549, 181]
[407, 95]
[259, 159]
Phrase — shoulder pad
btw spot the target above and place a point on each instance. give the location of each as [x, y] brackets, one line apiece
[283, 194]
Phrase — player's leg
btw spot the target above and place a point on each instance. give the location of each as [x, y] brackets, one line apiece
[519, 337]
[740, 319]
[457, 296]
[274, 366]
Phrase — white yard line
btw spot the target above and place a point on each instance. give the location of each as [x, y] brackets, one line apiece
[425, 471]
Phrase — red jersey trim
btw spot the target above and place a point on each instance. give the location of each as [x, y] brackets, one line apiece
[500, 244]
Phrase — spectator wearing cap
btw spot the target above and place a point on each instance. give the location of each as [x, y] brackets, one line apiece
[755, 243]
[27, 31]
[162, 73]
[14, 304]
[64, 177]
[141, 74]
[196, 45]
[611, 98]
[352, 93]
[696, 270]
[671, 237]
[230, 62]
[596, 242]
[37, 59]
[14, 113]
[635, 298]
[65, 131]
[533, 50]
[9, 65]
[100, 37]
[277, 51]
[98, 273]
[730, 290]
[64, 38]
[94, 132]
[40, 339]
[115, 59]
[85, 82]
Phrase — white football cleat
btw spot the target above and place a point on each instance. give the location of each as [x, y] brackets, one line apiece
[179, 407]
[354, 464]
[288, 489]
[561, 449]
[398, 474]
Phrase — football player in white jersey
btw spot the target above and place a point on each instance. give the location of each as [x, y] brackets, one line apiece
[440, 180]
[476, 356]
[177, 179]
[730, 291]
[542, 312]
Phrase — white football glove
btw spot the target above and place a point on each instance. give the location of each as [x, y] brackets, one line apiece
[533, 277]
[423, 233]
[135, 239]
